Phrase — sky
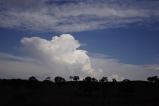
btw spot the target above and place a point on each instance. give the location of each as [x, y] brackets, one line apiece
[114, 38]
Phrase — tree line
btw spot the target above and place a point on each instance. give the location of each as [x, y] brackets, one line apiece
[59, 79]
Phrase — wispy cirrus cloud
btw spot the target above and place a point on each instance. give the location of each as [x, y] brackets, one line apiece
[75, 15]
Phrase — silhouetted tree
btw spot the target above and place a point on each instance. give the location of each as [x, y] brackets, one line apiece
[88, 79]
[32, 78]
[76, 78]
[59, 79]
[104, 79]
[94, 80]
[126, 80]
[89, 85]
[71, 77]
[153, 79]
[114, 80]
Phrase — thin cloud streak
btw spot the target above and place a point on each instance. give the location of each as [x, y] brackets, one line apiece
[46, 15]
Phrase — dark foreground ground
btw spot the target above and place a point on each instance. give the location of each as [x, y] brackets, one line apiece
[134, 93]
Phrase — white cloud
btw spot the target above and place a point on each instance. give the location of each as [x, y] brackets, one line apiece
[115, 76]
[19, 67]
[61, 56]
[75, 17]
[113, 68]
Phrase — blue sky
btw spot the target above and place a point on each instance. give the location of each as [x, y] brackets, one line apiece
[126, 31]
[129, 45]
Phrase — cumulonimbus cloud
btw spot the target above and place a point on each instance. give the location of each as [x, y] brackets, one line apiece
[61, 54]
